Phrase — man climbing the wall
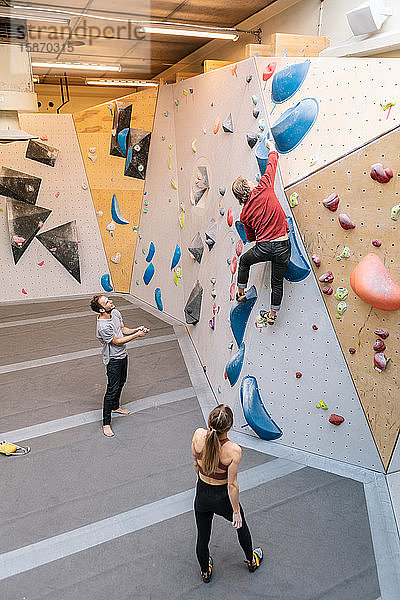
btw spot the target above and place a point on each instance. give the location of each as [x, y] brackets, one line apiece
[114, 336]
[265, 223]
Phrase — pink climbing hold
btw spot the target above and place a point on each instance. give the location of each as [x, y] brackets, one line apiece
[298, 375]
[316, 260]
[229, 217]
[44, 138]
[233, 265]
[380, 361]
[345, 221]
[57, 194]
[53, 249]
[336, 419]
[23, 291]
[269, 71]
[372, 282]
[331, 202]
[41, 264]
[18, 240]
[211, 323]
[383, 333]
[239, 247]
[328, 290]
[379, 346]
[232, 292]
[327, 277]
[352, 350]
[315, 327]
[376, 243]
[380, 174]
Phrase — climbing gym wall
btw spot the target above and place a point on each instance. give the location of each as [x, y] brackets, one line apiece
[350, 186]
[351, 101]
[50, 243]
[296, 368]
[107, 134]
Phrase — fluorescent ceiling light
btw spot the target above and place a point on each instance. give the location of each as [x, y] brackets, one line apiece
[121, 82]
[31, 14]
[187, 31]
[75, 66]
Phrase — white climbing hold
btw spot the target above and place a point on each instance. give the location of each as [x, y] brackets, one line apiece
[395, 212]
[92, 157]
[194, 145]
[84, 186]
[313, 160]
[99, 213]
[92, 150]
[115, 258]
[111, 226]
[294, 199]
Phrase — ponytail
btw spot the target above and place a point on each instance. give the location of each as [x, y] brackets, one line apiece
[220, 420]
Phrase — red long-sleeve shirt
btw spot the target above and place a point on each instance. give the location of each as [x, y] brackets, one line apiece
[262, 215]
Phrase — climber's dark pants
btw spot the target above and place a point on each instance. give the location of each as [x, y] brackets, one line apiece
[278, 252]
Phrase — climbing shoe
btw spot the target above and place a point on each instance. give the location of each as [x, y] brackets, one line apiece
[240, 297]
[268, 318]
[257, 559]
[206, 577]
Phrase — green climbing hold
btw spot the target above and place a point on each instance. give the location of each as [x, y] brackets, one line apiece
[341, 293]
[137, 282]
[219, 390]
[163, 138]
[294, 199]
[341, 308]
[166, 114]
[135, 228]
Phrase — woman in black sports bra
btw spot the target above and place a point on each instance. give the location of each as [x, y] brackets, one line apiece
[216, 461]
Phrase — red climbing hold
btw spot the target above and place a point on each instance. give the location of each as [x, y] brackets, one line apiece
[345, 221]
[376, 243]
[328, 290]
[336, 419]
[371, 281]
[327, 277]
[380, 174]
[57, 194]
[41, 264]
[315, 327]
[232, 292]
[379, 346]
[316, 260]
[352, 350]
[298, 374]
[331, 202]
[383, 333]
[229, 217]
[239, 247]
[380, 361]
[225, 375]
[23, 291]
[233, 265]
[269, 71]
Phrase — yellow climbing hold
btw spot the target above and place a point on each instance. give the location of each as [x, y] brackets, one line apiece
[321, 404]
[177, 274]
[169, 162]
[185, 92]
[182, 216]
[174, 185]
[194, 145]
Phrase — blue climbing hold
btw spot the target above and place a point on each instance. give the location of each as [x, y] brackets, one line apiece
[234, 365]
[176, 257]
[255, 412]
[121, 138]
[150, 253]
[116, 213]
[241, 231]
[106, 283]
[262, 156]
[240, 314]
[157, 296]
[148, 274]
[294, 124]
[298, 267]
[287, 81]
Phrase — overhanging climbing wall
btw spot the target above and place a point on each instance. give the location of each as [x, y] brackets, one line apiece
[46, 197]
[368, 203]
[351, 94]
[216, 117]
[117, 196]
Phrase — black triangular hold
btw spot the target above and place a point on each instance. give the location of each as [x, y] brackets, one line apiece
[252, 139]
[121, 125]
[24, 221]
[137, 154]
[62, 242]
[196, 248]
[227, 125]
[41, 153]
[193, 305]
[211, 235]
[18, 185]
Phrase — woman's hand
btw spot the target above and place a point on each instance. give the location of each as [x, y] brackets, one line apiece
[237, 520]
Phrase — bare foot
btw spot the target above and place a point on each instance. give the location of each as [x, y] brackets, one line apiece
[122, 411]
[108, 432]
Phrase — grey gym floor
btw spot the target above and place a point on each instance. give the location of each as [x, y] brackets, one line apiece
[84, 517]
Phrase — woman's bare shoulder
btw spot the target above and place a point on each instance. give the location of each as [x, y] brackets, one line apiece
[199, 433]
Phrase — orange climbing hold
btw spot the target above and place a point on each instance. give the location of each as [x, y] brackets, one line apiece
[217, 123]
[372, 282]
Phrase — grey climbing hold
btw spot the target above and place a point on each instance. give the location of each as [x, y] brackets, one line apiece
[261, 124]
[254, 99]
[256, 112]
[193, 305]
[211, 235]
[213, 294]
[227, 125]
[249, 78]
[213, 280]
[222, 212]
[196, 248]
[222, 190]
[252, 139]
[229, 260]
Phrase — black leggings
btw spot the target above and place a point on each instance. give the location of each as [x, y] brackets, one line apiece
[117, 370]
[279, 255]
[212, 499]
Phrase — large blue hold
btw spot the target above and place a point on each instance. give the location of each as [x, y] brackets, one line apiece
[298, 268]
[176, 257]
[240, 314]
[255, 412]
[148, 274]
[116, 212]
[262, 153]
[287, 81]
[241, 231]
[234, 365]
[121, 138]
[158, 299]
[150, 253]
[106, 283]
[294, 124]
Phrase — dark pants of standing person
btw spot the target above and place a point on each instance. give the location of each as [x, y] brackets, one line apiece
[117, 370]
[210, 500]
[278, 253]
